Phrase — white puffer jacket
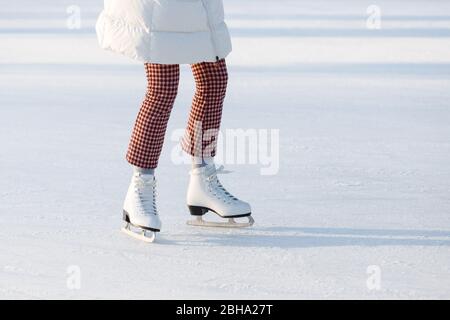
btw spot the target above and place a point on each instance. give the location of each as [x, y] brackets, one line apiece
[165, 31]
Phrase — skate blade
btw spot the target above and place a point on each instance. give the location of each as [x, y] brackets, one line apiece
[199, 222]
[142, 235]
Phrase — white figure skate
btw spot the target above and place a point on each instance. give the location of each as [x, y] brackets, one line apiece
[139, 210]
[206, 193]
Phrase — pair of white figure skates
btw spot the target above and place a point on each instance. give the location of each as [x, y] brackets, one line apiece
[205, 193]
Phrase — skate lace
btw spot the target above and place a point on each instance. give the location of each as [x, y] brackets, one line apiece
[145, 188]
[216, 187]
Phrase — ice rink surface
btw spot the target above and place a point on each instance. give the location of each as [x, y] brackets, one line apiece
[360, 207]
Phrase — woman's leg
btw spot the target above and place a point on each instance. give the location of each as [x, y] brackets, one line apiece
[150, 128]
[211, 80]
[205, 192]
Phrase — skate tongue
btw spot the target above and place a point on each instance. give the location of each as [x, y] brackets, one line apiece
[210, 169]
[222, 170]
[146, 175]
[145, 181]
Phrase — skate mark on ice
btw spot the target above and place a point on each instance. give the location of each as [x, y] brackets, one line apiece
[280, 237]
[372, 232]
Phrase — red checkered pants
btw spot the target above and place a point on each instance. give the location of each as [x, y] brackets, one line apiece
[200, 139]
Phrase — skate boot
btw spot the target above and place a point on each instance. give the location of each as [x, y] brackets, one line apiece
[206, 193]
[139, 210]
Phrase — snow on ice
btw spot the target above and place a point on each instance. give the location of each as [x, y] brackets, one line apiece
[359, 206]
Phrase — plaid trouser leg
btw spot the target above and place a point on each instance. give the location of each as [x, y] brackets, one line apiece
[211, 80]
[150, 128]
